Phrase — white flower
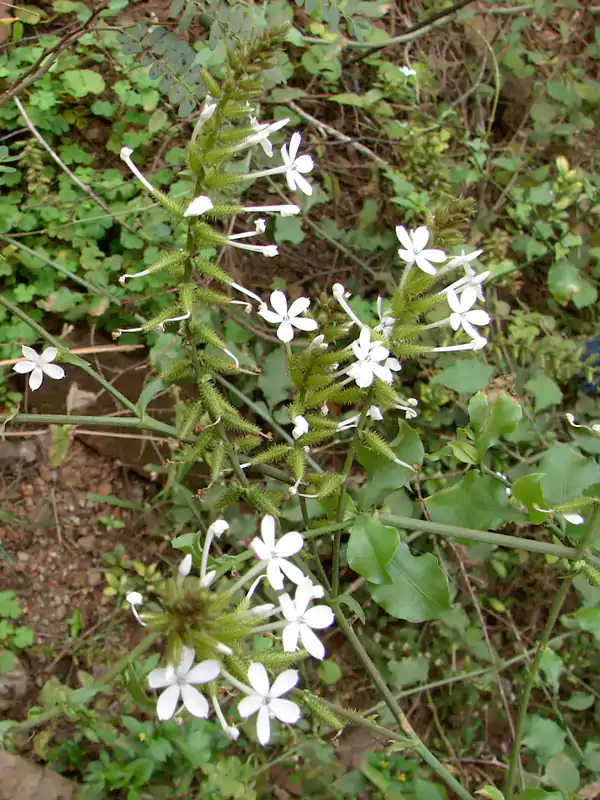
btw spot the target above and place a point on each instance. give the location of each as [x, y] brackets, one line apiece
[475, 344]
[261, 135]
[275, 554]
[594, 428]
[135, 599]
[462, 315]
[206, 112]
[199, 205]
[126, 153]
[413, 249]
[287, 319]
[374, 412]
[368, 365]
[573, 519]
[229, 730]
[301, 426]
[179, 682]
[407, 71]
[302, 620]
[474, 281]
[464, 260]
[341, 295]
[296, 168]
[266, 700]
[185, 566]
[38, 366]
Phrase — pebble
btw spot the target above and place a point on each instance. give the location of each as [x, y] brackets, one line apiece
[87, 543]
[22, 556]
[95, 577]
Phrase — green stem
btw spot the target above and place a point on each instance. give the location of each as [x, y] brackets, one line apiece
[561, 595]
[313, 545]
[415, 742]
[358, 719]
[489, 537]
[147, 424]
[347, 468]
[72, 359]
[84, 692]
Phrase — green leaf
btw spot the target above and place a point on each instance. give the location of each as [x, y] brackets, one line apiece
[546, 392]
[274, 381]
[591, 756]
[562, 773]
[329, 672]
[80, 82]
[579, 701]
[409, 671]
[353, 605]
[528, 490]
[492, 417]
[490, 792]
[419, 589]
[148, 393]
[564, 281]
[9, 605]
[288, 229]
[371, 547]
[476, 501]
[543, 736]
[552, 667]
[566, 474]
[586, 619]
[465, 375]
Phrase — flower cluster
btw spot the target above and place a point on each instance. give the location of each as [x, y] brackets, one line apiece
[216, 625]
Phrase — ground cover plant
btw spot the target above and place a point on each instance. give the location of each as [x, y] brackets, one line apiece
[355, 243]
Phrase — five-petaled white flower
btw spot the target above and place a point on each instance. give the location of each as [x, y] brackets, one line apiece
[296, 167]
[179, 682]
[38, 366]
[287, 318]
[301, 426]
[267, 701]
[368, 365]
[462, 315]
[464, 260]
[302, 619]
[261, 134]
[413, 249]
[275, 554]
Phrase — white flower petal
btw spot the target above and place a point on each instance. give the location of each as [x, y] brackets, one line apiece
[303, 184]
[574, 519]
[203, 672]
[159, 678]
[290, 636]
[284, 683]
[295, 145]
[35, 379]
[477, 317]
[267, 531]
[289, 544]
[30, 353]
[288, 607]
[23, 367]
[53, 371]
[48, 355]
[455, 321]
[435, 255]
[195, 702]
[406, 255]
[167, 702]
[269, 316]
[188, 654]
[319, 617]
[303, 596]
[259, 678]
[249, 705]
[363, 374]
[263, 726]
[305, 323]
[291, 571]
[199, 205]
[404, 238]
[299, 306]
[274, 575]
[420, 237]
[382, 372]
[285, 332]
[311, 643]
[453, 301]
[304, 164]
[424, 265]
[379, 353]
[285, 711]
[279, 303]
[260, 548]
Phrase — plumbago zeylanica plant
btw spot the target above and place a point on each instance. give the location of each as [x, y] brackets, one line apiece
[207, 615]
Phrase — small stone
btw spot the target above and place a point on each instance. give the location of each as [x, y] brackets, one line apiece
[79, 579]
[14, 681]
[87, 543]
[95, 577]
[22, 556]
